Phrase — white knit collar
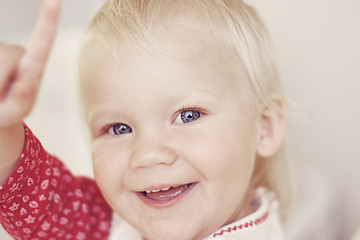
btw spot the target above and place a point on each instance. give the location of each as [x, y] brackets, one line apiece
[262, 224]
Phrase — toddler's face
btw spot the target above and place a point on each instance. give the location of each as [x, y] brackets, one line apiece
[174, 141]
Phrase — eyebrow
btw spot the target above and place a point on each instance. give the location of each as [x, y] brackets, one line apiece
[93, 116]
[110, 112]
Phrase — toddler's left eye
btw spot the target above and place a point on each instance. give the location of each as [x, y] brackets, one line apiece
[188, 116]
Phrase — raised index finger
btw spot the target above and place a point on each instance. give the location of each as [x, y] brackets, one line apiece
[35, 58]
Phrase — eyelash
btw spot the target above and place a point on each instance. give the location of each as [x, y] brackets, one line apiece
[106, 129]
[187, 109]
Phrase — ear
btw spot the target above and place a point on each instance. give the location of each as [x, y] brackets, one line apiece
[271, 125]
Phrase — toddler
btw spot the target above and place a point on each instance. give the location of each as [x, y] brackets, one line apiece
[187, 120]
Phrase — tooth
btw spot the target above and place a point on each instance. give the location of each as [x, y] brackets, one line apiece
[158, 190]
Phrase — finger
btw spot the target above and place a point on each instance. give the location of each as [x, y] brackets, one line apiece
[34, 61]
[10, 56]
[24, 89]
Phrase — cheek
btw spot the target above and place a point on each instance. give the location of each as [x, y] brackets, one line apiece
[231, 152]
[222, 155]
[108, 170]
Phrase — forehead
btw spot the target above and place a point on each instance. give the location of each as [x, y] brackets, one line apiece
[179, 51]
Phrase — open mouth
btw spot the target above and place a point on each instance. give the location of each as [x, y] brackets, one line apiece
[165, 196]
[166, 193]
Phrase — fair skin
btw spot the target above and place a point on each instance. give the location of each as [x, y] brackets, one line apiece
[20, 74]
[141, 139]
[181, 125]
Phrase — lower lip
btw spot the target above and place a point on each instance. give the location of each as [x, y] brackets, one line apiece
[167, 202]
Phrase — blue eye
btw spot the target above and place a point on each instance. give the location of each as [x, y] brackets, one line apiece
[188, 116]
[119, 129]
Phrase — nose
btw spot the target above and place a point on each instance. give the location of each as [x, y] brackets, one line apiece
[149, 153]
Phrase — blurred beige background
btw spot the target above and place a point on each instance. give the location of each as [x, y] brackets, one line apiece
[318, 53]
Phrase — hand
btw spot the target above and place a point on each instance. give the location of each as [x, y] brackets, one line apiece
[21, 70]
[20, 76]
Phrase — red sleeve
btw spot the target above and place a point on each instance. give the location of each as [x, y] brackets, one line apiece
[41, 199]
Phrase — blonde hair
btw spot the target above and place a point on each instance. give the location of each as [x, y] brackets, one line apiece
[235, 25]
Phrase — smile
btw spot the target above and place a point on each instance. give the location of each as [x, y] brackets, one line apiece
[165, 196]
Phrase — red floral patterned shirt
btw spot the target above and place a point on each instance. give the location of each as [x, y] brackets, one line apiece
[41, 199]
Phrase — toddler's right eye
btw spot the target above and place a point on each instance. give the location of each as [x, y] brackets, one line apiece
[119, 129]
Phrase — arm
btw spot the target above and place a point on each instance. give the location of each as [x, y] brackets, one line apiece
[41, 199]
[20, 76]
[9, 157]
